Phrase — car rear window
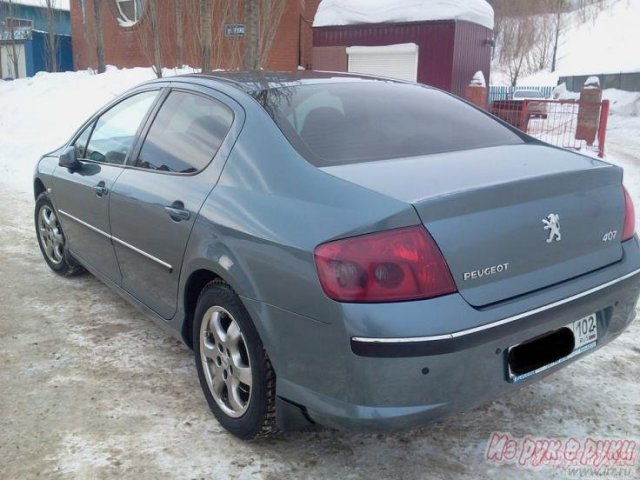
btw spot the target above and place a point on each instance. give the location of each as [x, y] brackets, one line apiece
[343, 123]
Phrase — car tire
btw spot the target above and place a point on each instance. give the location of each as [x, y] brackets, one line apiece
[52, 240]
[233, 367]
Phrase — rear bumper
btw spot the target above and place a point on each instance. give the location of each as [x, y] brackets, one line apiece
[460, 340]
[397, 366]
[463, 371]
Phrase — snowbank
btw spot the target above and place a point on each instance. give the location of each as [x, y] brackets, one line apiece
[609, 44]
[39, 114]
[349, 12]
[621, 102]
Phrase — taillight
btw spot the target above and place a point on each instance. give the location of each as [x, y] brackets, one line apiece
[629, 217]
[390, 266]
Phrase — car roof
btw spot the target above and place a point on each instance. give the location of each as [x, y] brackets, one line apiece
[252, 82]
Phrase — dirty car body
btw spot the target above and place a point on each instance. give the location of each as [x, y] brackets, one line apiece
[402, 254]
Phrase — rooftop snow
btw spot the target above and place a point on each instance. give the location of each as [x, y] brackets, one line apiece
[350, 12]
[57, 4]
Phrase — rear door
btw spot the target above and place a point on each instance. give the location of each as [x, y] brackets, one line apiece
[155, 201]
[81, 195]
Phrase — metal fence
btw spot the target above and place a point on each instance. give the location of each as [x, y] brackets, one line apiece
[502, 92]
[572, 124]
[622, 81]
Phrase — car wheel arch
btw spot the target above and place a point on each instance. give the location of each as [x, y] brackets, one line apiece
[38, 187]
[196, 281]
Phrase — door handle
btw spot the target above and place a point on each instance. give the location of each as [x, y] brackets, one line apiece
[100, 189]
[177, 212]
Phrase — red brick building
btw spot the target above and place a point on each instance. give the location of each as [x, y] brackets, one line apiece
[444, 53]
[128, 40]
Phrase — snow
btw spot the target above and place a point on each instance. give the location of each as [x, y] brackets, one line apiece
[593, 82]
[478, 79]
[609, 44]
[57, 4]
[349, 12]
[623, 103]
[39, 114]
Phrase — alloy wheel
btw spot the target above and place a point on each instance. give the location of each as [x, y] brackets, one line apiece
[225, 361]
[51, 235]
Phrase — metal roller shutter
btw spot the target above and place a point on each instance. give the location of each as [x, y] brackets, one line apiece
[396, 61]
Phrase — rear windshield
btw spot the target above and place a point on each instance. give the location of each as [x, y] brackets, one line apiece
[343, 123]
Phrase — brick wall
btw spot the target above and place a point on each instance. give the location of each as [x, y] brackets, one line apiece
[132, 46]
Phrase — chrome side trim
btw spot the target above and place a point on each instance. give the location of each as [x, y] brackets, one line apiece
[143, 253]
[115, 239]
[85, 224]
[462, 333]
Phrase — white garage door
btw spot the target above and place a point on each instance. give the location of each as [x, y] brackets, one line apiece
[396, 61]
[7, 56]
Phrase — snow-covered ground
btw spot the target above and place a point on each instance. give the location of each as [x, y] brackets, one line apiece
[89, 388]
[608, 44]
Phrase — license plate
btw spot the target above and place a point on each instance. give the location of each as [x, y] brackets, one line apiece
[585, 334]
[585, 331]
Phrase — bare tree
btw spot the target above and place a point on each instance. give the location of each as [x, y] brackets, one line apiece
[518, 39]
[2, 30]
[586, 10]
[271, 12]
[86, 34]
[99, 39]
[13, 50]
[179, 11]
[544, 42]
[228, 53]
[206, 34]
[155, 35]
[262, 19]
[551, 21]
[251, 35]
[52, 39]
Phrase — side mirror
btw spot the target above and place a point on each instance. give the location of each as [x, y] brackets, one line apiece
[68, 159]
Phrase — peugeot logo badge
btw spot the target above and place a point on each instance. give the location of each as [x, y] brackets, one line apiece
[552, 223]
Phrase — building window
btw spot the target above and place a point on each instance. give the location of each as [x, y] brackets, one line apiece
[18, 23]
[130, 11]
[16, 28]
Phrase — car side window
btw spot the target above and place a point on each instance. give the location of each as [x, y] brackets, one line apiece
[80, 145]
[116, 129]
[186, 134]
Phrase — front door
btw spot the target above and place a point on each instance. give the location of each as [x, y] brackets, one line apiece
[155, 202]
[82, 194]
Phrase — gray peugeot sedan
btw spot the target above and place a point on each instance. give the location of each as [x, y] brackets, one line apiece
[345, 250]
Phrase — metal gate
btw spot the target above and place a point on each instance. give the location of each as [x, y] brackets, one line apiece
[572, 124]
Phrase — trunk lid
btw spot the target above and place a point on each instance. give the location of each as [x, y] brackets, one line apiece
[487, 210]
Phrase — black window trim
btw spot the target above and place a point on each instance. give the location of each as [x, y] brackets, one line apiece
[147, 124]
[89, 127]
[92, 122]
